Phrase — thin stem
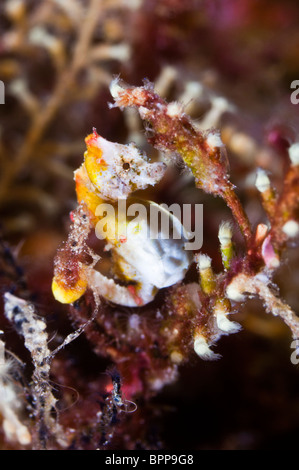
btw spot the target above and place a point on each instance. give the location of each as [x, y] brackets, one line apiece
[238, 212]
[243, 283]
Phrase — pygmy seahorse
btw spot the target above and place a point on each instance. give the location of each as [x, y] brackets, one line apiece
[110, 173]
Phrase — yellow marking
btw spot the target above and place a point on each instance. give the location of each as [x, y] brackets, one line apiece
[68, 295]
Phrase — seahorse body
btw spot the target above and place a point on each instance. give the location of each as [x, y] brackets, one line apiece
[110, 173]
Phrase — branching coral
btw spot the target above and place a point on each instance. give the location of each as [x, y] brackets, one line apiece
[173, 132]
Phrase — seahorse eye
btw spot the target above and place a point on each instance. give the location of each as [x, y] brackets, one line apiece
[126, 166]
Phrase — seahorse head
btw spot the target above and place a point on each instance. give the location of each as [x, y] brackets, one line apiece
[116, 170]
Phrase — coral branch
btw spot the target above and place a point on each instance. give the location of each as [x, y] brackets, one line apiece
[286, 206]
[172, 131]
[233, 202]
[259, 285]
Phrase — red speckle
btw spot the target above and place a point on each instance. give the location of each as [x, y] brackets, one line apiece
[95, 132]
[91, 139]
[122, 239]
[280, 138]
[72, 216]
[132, 290]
